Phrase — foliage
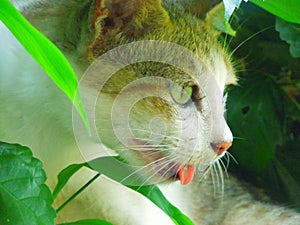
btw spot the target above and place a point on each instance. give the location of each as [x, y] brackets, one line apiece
[154, 194]
[287, 10]
[104, 165]
[290, 33]
[25, 199]
[263, 110]
[64, 176]
[257, 120]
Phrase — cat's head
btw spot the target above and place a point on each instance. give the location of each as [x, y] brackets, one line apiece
[161, 104]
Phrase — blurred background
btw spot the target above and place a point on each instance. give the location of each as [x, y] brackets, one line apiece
[264, 109]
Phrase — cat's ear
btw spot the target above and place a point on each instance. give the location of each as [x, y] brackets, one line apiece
[215, 18]
[112, 20]
[212, 11]
[131, 17]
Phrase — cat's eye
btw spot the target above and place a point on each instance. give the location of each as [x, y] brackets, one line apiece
[181, 95]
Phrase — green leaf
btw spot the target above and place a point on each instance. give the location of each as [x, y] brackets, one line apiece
[289, 183]
[285, 9]
[155, 195]
[64, 176]
[114, 168]
[256, 117]
[281, 180]
[289, 156]
[25, 199]
[44, 52]
[289, 32]
[124, 173]
[87, 222]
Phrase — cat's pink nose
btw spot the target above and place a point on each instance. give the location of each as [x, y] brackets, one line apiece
[221, 147]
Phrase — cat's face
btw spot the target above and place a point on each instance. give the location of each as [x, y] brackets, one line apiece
[157, 115]
[162, 109]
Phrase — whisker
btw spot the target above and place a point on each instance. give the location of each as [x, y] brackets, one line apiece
[174, 132]
[225, 167]
[231, 156]
[219, 179]
[142, 168]
[164, 138]
[239, 27]
[242, 70]
[147, 147]
[213, 178]
[222, 179]
[227, 157]
[207, 170]
[167, 163]
[239, 138]
[170, 168]
[249, 38]
[169, 134]
[227, 35]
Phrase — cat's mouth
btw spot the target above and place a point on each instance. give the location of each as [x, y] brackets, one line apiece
[166, 168]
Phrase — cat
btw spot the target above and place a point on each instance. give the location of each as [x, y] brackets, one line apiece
[168, 91]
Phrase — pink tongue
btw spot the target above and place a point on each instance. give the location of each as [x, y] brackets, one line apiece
[186, 174]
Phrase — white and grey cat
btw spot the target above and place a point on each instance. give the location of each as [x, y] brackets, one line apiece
[175, 113]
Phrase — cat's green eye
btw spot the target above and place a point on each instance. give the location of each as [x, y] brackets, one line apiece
[181, 95]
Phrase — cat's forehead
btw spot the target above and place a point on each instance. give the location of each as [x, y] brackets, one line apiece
[209, 56]
[189, 72]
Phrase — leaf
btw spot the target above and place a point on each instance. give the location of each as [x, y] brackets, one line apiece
[155, 195]
[114, 168]
[289, 156]
[287, 10]
[87, 222]
[117, 170]
[289, 32]
[289, 181]
[64, 176]
[44, 52]
[25, 199]
[256, 117]
[282, 179]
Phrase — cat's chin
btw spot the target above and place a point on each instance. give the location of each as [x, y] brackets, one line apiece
[161, 167]
[165, 168]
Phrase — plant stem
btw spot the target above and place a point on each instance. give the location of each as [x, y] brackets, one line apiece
[77, 192]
